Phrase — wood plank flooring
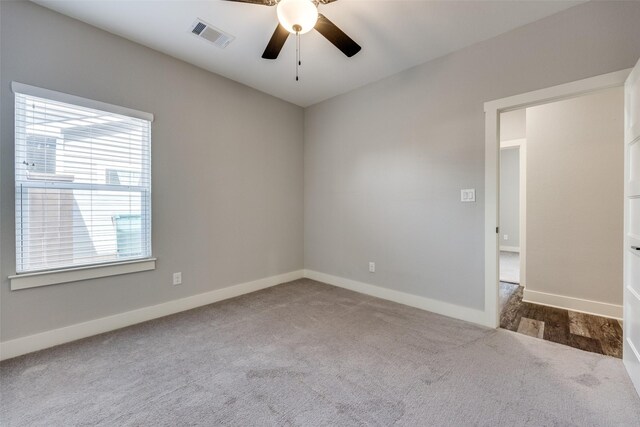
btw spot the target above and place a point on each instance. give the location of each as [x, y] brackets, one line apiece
[584, 331]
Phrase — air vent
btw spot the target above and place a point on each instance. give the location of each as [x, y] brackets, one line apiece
[198, 28]
[211, 34]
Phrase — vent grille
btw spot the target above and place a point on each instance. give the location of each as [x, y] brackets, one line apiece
[211, 34]
[197, 30]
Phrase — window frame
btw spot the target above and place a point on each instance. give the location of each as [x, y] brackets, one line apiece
[71, 273]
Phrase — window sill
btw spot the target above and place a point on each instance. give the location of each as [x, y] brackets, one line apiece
[45, 278]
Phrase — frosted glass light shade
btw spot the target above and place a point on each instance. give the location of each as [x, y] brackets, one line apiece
[302, 13]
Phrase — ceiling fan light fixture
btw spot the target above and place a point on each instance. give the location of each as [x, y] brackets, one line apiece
[297, 16]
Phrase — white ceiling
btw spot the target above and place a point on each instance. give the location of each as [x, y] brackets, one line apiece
[394, 35]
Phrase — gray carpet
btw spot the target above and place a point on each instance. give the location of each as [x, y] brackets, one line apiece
[510, 267]
[305, 353]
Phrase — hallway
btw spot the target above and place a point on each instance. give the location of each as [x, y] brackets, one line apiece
[580, 330]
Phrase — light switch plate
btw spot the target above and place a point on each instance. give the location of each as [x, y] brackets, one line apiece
[468, 195]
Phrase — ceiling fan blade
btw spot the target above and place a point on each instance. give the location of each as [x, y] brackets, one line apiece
[336, 36]
[326, 1]
[275, 44]
[258, 2]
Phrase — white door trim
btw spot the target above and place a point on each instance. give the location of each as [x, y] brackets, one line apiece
[631, 335]
[491, 166]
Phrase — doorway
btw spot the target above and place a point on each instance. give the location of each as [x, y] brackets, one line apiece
[555, 311]
[513, 164]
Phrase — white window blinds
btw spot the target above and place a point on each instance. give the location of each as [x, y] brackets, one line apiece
[83, 182]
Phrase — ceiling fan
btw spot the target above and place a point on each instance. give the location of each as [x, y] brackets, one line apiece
[299, 17]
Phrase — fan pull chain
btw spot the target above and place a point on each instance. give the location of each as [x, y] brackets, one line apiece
[298, 63]
[299, 50]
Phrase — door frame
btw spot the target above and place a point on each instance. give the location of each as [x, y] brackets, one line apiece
[492, 111]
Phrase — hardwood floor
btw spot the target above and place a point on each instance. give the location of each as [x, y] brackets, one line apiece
[584, 331]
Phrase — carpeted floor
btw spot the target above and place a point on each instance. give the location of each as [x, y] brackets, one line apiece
[305, 353]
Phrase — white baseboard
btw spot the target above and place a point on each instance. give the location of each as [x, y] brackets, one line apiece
[575, 304]
[31, 343]
[510, 249]
[435, 306]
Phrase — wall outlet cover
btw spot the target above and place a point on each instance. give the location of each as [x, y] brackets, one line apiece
[177, 279]
[372, 267]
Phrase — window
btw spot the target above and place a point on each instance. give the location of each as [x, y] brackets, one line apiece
[83, 182]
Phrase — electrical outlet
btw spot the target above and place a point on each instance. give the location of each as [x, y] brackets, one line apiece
[506, 237]
[372, 267]
[177, 278]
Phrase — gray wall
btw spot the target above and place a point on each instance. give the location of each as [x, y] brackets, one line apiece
[384, 164]
[510, 197]
[227, 169]
[575, 158]
[513, 125]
